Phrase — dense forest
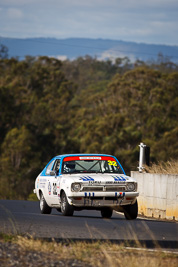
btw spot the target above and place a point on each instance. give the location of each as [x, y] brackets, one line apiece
[49, 107]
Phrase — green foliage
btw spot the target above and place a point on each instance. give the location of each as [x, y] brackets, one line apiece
[16, 163]
[32, 197]
[49, 107]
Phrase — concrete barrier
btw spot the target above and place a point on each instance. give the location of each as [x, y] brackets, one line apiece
[158, 195]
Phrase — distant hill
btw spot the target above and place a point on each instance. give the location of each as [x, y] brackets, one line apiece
[72, 48]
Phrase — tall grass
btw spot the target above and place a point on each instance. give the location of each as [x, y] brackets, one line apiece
[102, 254]
[169, 167]
[98, 253]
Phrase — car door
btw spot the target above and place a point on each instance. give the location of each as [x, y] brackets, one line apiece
[51, 185]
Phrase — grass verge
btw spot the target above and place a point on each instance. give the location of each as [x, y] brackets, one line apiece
[169, 167]
[94, 254]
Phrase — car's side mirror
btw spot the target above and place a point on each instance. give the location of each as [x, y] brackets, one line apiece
[52, 173]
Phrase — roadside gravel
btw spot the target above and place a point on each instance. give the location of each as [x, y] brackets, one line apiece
[13, 255]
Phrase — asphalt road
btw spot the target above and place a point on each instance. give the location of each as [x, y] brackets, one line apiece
[24, 217]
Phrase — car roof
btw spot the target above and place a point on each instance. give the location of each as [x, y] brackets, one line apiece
[82, 154]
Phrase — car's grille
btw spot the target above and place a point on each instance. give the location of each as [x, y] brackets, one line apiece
[115, 189]
[92, 188]
[103, 189]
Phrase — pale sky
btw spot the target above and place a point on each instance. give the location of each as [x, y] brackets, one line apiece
[141, 21]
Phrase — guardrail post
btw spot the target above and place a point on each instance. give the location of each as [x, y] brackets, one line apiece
[142, 158]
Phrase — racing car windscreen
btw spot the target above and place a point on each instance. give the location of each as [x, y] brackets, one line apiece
[90, 164]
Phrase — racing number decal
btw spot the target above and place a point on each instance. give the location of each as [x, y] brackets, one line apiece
[54, 189]
[112, 162]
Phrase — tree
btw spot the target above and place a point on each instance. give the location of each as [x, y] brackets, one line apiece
[15, 163]
[3, 52]
[49, 107]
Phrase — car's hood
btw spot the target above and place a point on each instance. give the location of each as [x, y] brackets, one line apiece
[90, 178]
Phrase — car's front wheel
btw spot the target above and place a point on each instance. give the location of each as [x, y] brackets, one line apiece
[131, 211]
[45, 209]
[66, 208]
[106, 212]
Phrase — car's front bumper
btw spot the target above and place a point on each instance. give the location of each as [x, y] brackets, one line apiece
[101, 199]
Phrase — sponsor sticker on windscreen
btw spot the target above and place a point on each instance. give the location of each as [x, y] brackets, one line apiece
[88, 158]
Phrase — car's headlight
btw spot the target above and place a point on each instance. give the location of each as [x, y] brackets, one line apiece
[131, 186]
[75, 187]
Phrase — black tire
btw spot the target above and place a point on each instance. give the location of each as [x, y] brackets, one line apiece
[131, 211]
[66, 208]
[44, 208]
[106, 212]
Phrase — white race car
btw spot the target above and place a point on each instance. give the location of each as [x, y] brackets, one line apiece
[86, 181]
